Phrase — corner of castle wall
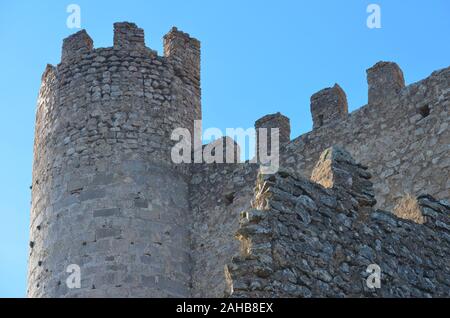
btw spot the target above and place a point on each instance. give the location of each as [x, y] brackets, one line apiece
[175, 41]
[184, 52]
[49, 71]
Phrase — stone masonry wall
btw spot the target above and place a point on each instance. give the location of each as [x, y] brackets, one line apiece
[402, 147]
[400, 144]
[403, 136]
[105, 193]
[302, 239]
[107, 197]
[218, 194]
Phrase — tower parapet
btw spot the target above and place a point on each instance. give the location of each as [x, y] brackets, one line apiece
[128, 36]
[76, 45]
[270, 122]
[184, 52]
[328, 105]
[385, 79]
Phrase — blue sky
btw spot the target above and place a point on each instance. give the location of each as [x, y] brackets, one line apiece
[258, 57]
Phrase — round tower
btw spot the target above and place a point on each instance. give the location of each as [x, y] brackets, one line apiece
[106, 197]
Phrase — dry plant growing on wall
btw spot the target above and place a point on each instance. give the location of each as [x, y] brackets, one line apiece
[408, 208]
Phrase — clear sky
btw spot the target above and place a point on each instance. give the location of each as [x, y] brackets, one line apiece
[258, 57]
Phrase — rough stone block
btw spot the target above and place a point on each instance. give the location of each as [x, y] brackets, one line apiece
[328, 105]
[385, 80]
[76, 45]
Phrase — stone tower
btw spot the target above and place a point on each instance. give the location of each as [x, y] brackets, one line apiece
[105, 194]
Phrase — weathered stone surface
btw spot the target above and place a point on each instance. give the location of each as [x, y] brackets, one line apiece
[385, 79]
[328, 256]
[269, 122]
[328, 105]
[105, 193]
[402, 136]
[107, 196]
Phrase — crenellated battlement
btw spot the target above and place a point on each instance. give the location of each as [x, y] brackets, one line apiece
[396, 145]
[269, 122]
[107, 196]
[179, 47]
[385, 79]
[128, 36]
[328, 105]
[76, 45]
[102, 151]
[184, 52]
[402, 131]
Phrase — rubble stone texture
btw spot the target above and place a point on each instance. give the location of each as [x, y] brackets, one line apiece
[328, 105]
[306, 239]
[107, 197]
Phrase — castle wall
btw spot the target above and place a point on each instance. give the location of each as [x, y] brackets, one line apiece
[402, 135]
[107, 197]
[218, 194]
[405, 152]
[105, 194]
[301, 239]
